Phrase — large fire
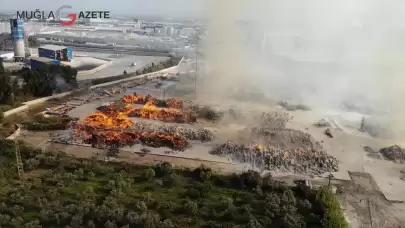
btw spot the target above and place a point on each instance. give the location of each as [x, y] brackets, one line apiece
[120, 138]
[112, 125]
[99, 119]
[150, 111]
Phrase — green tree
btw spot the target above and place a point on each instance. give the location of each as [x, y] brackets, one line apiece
[39, 82]
[333, 215]
[149, 174]
[6, 90]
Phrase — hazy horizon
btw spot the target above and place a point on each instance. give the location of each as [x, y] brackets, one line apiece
[173, 8]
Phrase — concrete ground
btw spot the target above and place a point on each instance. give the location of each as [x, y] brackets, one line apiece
[120, 63]
[83, 63]
[347, 146]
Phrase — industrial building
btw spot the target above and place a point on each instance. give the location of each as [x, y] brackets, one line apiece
[57, 52]
[6, 56]
[17, 37]
[36, 62]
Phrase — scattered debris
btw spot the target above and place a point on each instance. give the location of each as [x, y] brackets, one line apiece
[328, 133]
[270, 158]
[372, 153]
[145, 150]
[323, 123]
[292, 107]
[369, 149]
[402, 177]
[207, 113]
[375, 129]
[394, 153]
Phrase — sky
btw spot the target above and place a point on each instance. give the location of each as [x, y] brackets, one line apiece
[129, 7]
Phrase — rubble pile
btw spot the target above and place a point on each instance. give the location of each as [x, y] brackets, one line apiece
[201, 134]
[303, 161]
[394, 153]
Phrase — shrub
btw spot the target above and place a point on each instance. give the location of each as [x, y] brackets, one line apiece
[332, 212]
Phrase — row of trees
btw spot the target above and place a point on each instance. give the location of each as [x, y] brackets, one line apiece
[88, 193]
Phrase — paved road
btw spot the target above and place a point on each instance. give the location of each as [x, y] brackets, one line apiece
[121, 50]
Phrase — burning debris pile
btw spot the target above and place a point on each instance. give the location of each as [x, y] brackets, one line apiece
[149, 110]
[151, 100]
[111, 126]
[100, 119]
[104, 137]
[163, 114]
[304, 161]
[113, 138]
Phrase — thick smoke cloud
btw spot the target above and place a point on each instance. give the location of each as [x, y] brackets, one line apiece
[326, 54]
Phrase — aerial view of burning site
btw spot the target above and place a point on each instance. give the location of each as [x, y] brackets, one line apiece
[287, 93]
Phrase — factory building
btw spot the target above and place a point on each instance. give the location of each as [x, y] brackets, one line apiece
[6, 56]
[57, 52]
[37, 62]
[17, 37]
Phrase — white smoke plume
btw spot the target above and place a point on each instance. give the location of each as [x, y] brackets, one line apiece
[322, 53]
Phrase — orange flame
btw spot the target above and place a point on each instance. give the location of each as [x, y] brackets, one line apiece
[112, 125]
[139, 99]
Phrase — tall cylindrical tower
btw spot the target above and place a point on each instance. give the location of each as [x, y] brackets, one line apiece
[17, 36]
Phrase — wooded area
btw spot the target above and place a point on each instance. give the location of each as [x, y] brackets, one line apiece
[37, 83]
[63, 191]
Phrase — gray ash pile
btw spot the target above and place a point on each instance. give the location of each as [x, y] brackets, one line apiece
[201, 134]
[394, 153]
[303, 161]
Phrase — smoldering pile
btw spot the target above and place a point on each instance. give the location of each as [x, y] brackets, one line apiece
[303, 160]
[201, 134]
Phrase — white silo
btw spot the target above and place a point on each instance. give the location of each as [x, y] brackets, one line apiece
[17, 36]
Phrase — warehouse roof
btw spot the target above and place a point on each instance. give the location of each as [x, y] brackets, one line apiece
[42, 59]
[53, 47]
